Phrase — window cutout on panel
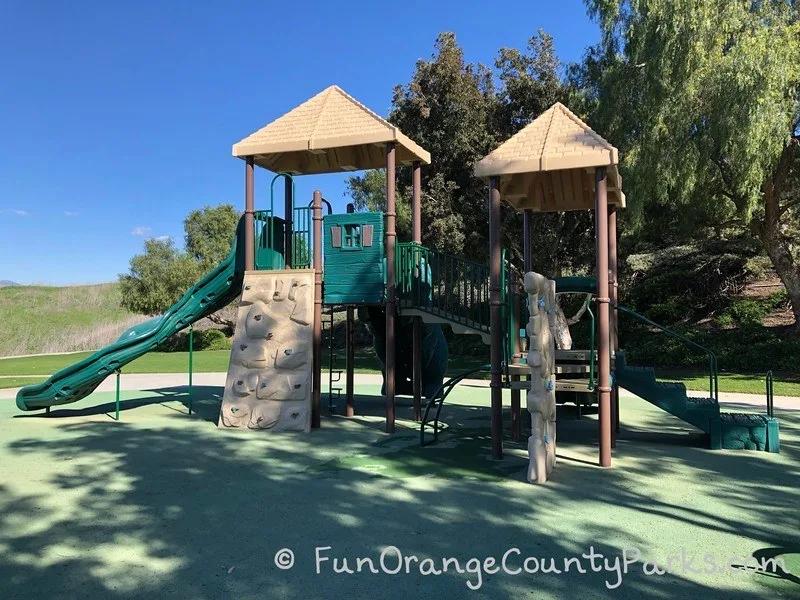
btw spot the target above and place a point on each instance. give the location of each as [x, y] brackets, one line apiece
[351, 238]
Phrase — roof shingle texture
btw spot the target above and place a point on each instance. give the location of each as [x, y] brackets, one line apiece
[556, 140]
[332, 119]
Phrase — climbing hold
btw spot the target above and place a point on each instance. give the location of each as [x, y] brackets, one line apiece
[257, 317]
[243, 347]
[288, 352]
[234, 409]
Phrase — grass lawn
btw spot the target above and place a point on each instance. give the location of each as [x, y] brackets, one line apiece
[206, 361]
[36, 319]
[786, 384]
[26, 371]
[14, 382]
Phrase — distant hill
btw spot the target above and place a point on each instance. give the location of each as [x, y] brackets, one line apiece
[39, 319]
[7, 283]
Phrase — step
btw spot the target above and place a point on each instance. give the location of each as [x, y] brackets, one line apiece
[434, 315]
[523, 369]
[577, 355]
[562, 385]
[745, 431]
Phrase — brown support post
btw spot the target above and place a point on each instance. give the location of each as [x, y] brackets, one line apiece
[603, 331]
[516, 425]
[416, 236]
[317, 244]
[527, 258]
[612, 293]
[527, 249]
[249, 215]
[495, 318]
[416, 203]
[350, 341]
[390, 301]
[288, 225]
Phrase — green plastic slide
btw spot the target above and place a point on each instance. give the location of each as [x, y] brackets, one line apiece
[213, 292]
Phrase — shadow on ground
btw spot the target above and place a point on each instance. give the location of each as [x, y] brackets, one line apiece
[162, 504]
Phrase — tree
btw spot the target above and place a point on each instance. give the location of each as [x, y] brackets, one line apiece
[702, 98]
[460, 112]
[159, 277]
[530, 84]
[447, 108]
[368, 193]
[209, 233]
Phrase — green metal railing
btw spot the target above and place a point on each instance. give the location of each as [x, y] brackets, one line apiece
[437, 400]
[301, 238]
[509, 294]
[713, 369]
[268, 246]
[453, 288]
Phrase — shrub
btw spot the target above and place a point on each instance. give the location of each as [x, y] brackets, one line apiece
[211, 339]
[204, 339]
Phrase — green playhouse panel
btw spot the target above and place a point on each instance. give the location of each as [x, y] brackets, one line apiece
[354, 265]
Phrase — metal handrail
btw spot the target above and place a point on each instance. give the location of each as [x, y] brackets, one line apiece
[456, 285]
[770, 395]
[442, 393]
[301, 252]
[462, 284]
[591, 344]
[272, 190]
[713, 378]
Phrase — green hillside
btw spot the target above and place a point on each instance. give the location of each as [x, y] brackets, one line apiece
[39, 319]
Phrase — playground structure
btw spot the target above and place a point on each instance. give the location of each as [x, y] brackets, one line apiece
[406, 291]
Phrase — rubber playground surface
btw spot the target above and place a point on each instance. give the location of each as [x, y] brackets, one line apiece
[164, 504]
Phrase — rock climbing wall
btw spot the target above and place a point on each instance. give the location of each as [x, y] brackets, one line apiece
[541, 399]
[269, 374]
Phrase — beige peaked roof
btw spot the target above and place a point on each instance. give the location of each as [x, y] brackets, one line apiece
[549, 165]
[331, 132]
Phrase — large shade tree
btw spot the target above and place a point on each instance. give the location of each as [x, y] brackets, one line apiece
[460, 111]
[702, 98]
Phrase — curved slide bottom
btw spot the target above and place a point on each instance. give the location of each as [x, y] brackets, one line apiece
[214, 291]
[434, 351]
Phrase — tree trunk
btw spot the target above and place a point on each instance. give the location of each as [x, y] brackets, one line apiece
[563, 337]
[225, 317]
[776, 246]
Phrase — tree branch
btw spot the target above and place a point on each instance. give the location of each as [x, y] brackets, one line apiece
[782, 210]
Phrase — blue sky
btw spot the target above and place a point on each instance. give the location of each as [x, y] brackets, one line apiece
[117, 118]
